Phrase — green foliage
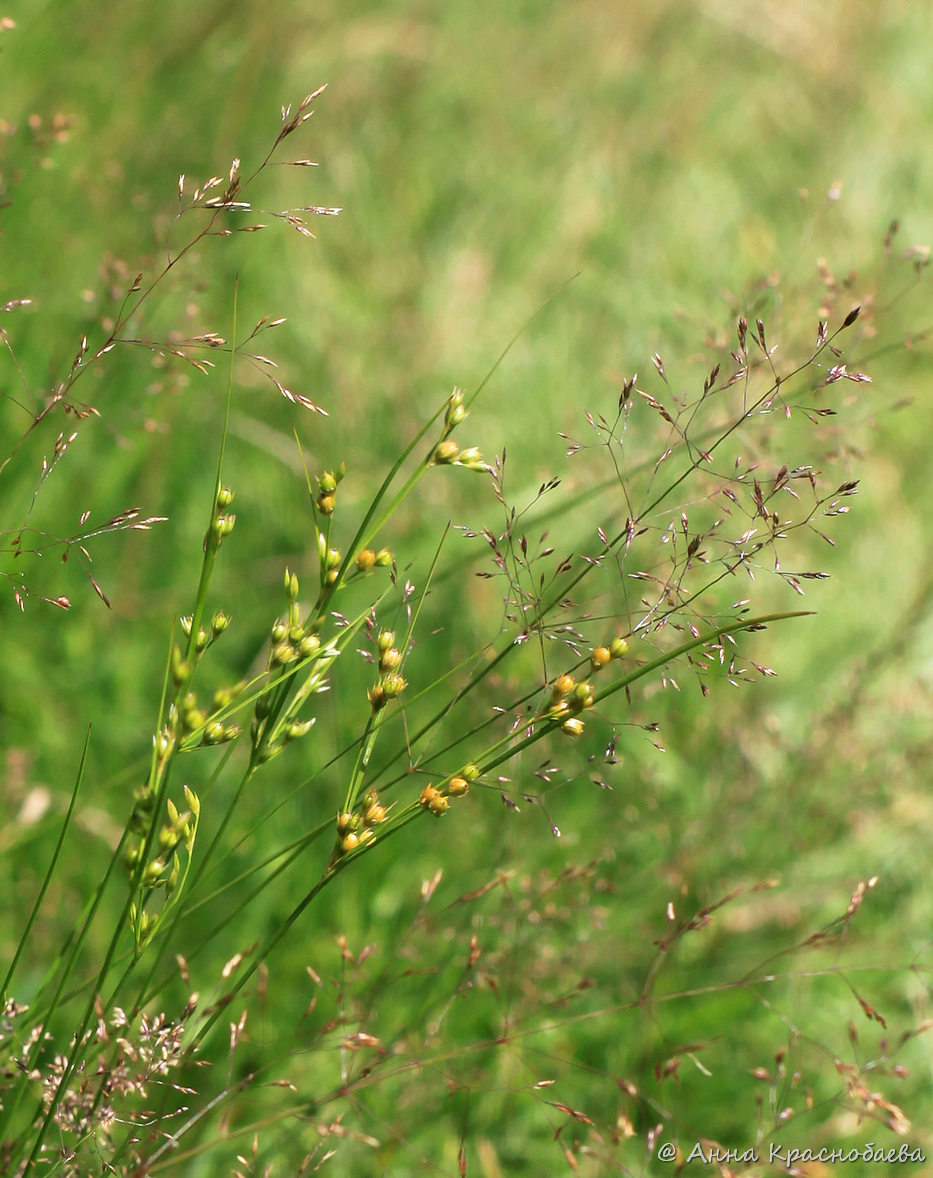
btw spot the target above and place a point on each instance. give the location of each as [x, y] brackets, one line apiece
[375, 776]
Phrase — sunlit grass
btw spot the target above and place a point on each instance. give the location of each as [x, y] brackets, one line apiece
[687, 163]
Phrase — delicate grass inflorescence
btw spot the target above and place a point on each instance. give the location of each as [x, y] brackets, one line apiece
[692, 503]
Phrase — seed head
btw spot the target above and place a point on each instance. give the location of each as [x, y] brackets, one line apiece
[600, 657]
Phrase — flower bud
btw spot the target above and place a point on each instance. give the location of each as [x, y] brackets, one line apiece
[390, 659]
[309, 646]
[164, 742]
[291, 585]
[283, 654]
[224, 498]
[153, 873]
[172, 882]
[350, 842]
[582, 696]
[445, 452]
[223, 525]
[373, 810]
[193, 801]
[213, 733]
[168, 840]
[347, 821]
[298, 728]
[472, 459]
[393, 685]
[455, 409]
[219, 623]
[572, 726]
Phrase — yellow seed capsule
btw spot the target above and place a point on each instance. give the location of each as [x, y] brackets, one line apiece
[429, 795]
[349, 842]
[365, 560]
[562, 685]
[390, 659]
[600, 657]
[618, 647]
[393, 685]
[572, 726]
[373, 810]
[347, 821]
[283, 654]
[457, 787]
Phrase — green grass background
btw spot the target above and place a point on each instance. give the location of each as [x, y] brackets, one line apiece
[668, 158]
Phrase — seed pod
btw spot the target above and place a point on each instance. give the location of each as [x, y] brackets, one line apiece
[445, 452]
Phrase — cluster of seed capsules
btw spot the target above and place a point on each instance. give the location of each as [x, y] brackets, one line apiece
[568, 697]
[356, 828]
[436, 799]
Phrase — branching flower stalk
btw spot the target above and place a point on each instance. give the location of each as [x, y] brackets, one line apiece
[445, 758]
[364, 820]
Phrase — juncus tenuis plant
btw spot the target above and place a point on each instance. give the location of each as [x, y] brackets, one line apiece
[638, 582]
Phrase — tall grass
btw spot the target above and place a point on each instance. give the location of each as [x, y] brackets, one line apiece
[513, 1011]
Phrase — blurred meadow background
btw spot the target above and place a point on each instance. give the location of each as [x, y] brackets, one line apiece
[605, 181]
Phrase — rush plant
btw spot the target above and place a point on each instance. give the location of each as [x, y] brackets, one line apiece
[646, 577]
